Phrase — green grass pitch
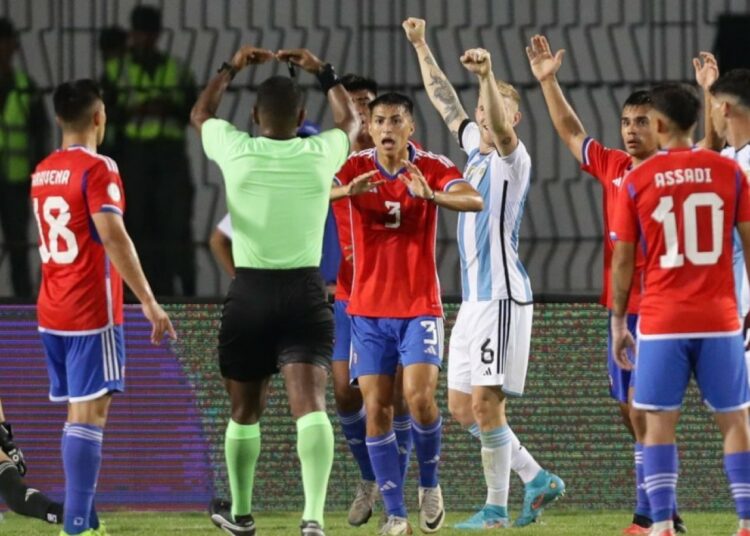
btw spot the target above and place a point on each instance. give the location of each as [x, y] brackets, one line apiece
[557, 523]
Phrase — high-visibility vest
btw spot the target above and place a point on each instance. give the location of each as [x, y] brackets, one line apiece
[137, 86]
[15, 161]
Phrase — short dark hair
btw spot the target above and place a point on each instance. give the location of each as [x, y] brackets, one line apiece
[145, 18]
[679, 102]
[112, 38]
[7, 29]
[641, 97]
[73, 100]
[736, 83]
[281, 97]
[354, 82]
[393, 99]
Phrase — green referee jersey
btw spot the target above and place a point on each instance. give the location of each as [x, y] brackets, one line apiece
[277, 192]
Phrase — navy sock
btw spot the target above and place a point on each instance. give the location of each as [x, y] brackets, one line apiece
[384, 458]
[642, 507]
[660, 469]
[427, 440]
[737, 467]
[82, 458]
[353, 426]
[402, 428]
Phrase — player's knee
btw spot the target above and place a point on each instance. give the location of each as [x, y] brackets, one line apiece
[460, 410]
[421, 405]
[379, 418]
[347, 398]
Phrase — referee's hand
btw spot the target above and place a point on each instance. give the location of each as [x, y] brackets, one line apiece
[160, 323]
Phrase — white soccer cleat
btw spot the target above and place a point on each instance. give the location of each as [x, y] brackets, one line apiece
[396, 526]
[364, 500]
[431, 510]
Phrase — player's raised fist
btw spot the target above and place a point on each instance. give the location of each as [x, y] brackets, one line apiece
[250, 55]
[301, 57]
[706, 69]
[543, 63]
[414, 29]
[477, 61]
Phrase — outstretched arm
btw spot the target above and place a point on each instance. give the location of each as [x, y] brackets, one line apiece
[544, 66]
[208, 101]
[439, 89]
[706, 73]
[461, 196]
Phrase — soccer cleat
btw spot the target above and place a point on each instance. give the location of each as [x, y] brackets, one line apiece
[396, 526]
[431, 510]
[311, 528]
[665, 532]
[635, 528]
[102, 530]
[544, 489]
[221, 516]
[679, 525]
[743, 532]
[489, 517]
[361, 509]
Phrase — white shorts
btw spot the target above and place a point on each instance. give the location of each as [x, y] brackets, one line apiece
[489, 346]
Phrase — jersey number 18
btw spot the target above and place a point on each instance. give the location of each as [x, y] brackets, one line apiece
[49, 249]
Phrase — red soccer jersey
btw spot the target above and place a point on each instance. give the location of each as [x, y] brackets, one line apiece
[346, 268]
[682, 206]
[81, 291]
[393, 233]
[609, 167]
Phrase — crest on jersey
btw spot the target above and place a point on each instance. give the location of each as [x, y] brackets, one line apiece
[113, 191]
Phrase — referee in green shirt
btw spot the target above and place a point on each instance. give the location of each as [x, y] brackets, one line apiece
[276, 316]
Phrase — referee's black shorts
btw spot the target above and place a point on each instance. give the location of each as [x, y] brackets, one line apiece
[272, 318]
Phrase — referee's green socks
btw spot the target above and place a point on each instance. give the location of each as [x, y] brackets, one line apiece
[241, 449]
[315, 451]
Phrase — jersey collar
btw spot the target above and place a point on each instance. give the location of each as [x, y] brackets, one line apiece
[411, 154]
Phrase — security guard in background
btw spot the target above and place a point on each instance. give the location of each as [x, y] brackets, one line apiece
[24, 135]
[148, 95]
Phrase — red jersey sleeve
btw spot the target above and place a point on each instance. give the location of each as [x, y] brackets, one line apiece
[599, 161]
[103, 188]
[443, 173]
[347, 173]
[743, 201]
[625, 226]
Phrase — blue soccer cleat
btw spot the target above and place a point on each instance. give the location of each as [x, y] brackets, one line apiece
[544, 489]
[489, 517]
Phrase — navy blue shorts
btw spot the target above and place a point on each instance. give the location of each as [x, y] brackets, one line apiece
[342, 343]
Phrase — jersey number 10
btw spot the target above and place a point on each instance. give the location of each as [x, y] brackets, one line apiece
[664, 215]
[49, 249]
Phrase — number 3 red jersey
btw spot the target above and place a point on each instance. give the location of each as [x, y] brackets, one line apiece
[681, 206]
[81, 291]
[393, 237]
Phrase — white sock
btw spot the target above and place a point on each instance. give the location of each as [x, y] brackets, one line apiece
[662, 525]
[745, 523]
[522, 463]
[496, 464]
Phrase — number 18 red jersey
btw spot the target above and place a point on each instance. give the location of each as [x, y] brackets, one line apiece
[81, 292]
[681, 206]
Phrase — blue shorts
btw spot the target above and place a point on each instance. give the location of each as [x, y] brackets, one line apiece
[85, 367]
[379, 345]
[620, 380]
[665, 367]
[342, 342]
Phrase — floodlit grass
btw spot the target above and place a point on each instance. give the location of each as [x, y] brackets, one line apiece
[285, 524]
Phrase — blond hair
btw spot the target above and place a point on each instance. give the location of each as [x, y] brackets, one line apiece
[509, 92]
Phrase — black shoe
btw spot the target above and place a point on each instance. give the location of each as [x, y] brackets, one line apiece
[221, 516]
[311, 528]
[642, 521]
[679, 525]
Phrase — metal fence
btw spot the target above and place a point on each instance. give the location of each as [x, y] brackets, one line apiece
[612, 47]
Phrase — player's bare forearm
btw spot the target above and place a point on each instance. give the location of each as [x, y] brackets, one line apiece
[623, 264]
[221, 247]
[339, 192]
[711, 139]
[461, 197]
[208, 101]
[498, 122]
[564, 118]
[2, 415]
[345, 116]
[440, 91]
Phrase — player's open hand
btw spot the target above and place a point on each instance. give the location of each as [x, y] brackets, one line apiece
[160, 323]
[543, 64]
[414, 29]
[364, 183]
[415, 181]
[250, 55]
[623, 343]
[706, 69]
[301, 57]
[477, 61]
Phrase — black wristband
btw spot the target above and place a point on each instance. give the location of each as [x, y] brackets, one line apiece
[327, 77]
[228, 68]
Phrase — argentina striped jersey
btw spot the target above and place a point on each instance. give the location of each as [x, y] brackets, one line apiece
[742, 157]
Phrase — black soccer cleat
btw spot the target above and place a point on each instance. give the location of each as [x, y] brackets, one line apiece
[311, 528]
[220, 511]
[679, 524]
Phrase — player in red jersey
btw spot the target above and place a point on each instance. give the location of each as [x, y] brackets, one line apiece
[86, 253]
[680, 207]
[608, 166]
[395, 305]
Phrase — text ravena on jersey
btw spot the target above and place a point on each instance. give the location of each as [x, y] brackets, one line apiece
[51, 177]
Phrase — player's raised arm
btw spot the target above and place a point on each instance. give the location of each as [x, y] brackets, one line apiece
[121, 251]
[208, 101]
[359, 185]
[544, 67]
[460, 196]
[496, 114]
[345, 115]
[439, 89]
[706, 73]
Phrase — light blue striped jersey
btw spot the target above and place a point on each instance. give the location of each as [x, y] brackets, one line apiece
[488, 240]
[742, 157]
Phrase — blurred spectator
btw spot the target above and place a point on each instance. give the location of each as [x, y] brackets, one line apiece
[113, 46]
[24, 138]
[149, 95]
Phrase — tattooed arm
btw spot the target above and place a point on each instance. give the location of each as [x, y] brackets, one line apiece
[439, 89]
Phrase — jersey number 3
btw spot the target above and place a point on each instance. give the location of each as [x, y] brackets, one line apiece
[664, 215]
[49, 249]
